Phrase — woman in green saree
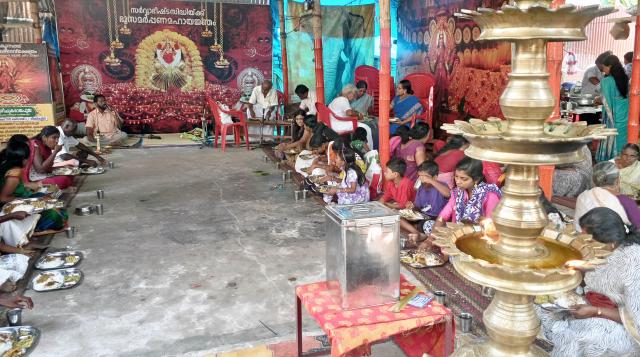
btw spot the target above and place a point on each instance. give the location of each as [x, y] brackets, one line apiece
[614, 89]
[12, 187]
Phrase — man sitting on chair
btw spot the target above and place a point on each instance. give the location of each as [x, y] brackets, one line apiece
[263, 102]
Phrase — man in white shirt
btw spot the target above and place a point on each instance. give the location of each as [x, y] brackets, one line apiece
[593, 76]
[308, 99]
[263, 101]
[342, 108]
[68, 141]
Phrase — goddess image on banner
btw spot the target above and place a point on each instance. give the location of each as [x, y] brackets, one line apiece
[158, 61]
[470, 74]
[169, 61]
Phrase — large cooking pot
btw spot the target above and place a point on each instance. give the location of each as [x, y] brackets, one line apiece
[583, 100]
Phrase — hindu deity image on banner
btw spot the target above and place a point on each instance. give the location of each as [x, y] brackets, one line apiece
[25, 95]
[156, 61]
[470, 74]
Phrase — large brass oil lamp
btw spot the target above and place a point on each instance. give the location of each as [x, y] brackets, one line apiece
[524, 258]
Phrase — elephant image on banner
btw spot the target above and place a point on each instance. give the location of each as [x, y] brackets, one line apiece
[348, 42]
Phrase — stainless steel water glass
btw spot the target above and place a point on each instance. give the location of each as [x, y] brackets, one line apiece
[466, 320]
[266, 158]
[71, 232]
[488, 291]
[304, 194]
[99, 209]
[14, 317]
[403, 242]
[289, 175]
[284, 176]
[440, 296]
[297, 194]
[111, 165]
[100, 194]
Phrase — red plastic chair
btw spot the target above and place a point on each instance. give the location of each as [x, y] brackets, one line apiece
[324, 115]
[237, 129]
[422, 85]
[371, 76]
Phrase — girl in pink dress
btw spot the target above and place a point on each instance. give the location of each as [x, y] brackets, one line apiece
[472, 198]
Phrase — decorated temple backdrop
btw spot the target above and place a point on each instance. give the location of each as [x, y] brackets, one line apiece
[165, 57]
[432, 40]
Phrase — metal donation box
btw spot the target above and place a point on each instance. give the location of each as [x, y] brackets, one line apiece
[363, 264]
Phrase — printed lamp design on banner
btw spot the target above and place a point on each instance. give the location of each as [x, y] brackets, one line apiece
[25, 90]
[21, 81]
[166, 61]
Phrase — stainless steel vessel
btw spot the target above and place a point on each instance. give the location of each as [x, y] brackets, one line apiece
[363, 264]
[85, 210]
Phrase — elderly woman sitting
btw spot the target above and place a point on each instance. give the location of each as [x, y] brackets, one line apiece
[609, 324]
[629, 167]
[606, 177]
[341, 107]
[573, 179]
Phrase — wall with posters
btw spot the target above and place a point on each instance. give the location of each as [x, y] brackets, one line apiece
[25, 92]
[432, 40]
[167, 56]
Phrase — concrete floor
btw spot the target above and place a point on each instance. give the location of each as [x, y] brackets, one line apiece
[195, 254]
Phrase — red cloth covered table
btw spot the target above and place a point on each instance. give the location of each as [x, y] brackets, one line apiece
[417, 331]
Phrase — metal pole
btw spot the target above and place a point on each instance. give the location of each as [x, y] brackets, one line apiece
[634, 93]
[317, 50]
[385, 79]
[283, 43]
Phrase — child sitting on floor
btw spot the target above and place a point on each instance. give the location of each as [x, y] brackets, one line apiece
[359, 141]
[431, 197]
[471, 200]
[398, 190]
[353, 188]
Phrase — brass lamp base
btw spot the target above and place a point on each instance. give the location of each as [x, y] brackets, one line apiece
[484, 347]
[512, 325]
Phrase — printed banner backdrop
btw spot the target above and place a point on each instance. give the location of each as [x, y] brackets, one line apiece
[347, 42]
[169, 59]
[467, 71]
[25, 93]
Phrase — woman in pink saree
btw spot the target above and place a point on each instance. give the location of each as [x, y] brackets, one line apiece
[44, 148]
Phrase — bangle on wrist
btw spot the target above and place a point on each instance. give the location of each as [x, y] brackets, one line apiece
[599, 312]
